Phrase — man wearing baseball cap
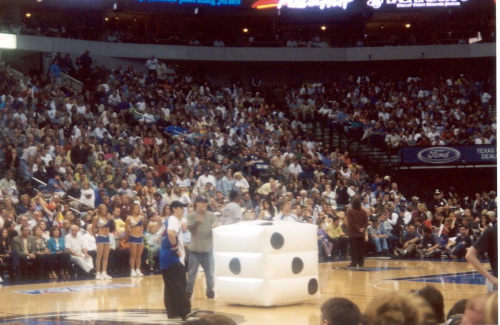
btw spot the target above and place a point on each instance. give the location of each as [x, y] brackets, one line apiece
[171, 254]
[200, 223]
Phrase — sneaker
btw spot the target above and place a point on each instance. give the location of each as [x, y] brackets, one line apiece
[211, 295]
[133, 273]
[1, 280]
[98, 276]
[105, 276]
[191, 313]
[138, 273]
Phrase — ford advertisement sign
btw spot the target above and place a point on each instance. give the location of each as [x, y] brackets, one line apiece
[483, 154]
[439, 155]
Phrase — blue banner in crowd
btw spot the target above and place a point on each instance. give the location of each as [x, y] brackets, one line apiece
[483, 154]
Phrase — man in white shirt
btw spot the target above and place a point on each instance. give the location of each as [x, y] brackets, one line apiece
[204, 179]
[232, 213]
[131, 159]
[7, 183]
[152, 64]
[330, 196]
[76, 247]
[485, 100]
[193, 161]
[432, 133]
[171, 264]
[87, 198]
[27, 160]
[482, 140]
[88, 240]
[99, 130]
[437, 141]
[295, 168]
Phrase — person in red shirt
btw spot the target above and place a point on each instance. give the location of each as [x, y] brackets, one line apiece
[357, 221]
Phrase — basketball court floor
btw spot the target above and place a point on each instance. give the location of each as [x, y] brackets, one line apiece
[140, 300]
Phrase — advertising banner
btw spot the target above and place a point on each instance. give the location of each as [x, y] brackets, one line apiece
[483, 154]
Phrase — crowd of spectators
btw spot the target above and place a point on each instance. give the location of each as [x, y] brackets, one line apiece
[418, 111]
[150, 137]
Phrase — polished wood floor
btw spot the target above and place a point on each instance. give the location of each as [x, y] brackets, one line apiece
[146, 293]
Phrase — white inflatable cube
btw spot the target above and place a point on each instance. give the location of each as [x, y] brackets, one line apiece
[262, 263]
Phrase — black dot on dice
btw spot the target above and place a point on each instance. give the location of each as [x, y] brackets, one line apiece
[312, 287]
[235, 266]
[277, 240]
[297, 265]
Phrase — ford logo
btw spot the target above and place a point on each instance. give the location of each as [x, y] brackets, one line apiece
[439, 155]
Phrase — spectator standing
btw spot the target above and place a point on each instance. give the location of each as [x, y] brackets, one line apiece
[162, 71]
[85, 64]
[152, 65]
[231, 213]
[55, 72]
[342, 195]
[27, 161]
[200, 224]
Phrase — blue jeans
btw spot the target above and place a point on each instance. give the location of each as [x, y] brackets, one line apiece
[206, 259]
[380, 244]
[393, 242]
[459, 251]
[24, 170]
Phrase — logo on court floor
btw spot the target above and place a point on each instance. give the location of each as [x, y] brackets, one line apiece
[116, 317]
[86, 287]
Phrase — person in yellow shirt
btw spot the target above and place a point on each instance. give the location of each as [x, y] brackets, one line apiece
[338, 238]
[119, 223]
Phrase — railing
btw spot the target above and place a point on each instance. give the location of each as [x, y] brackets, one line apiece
[73, 83]
[16, 74]
[376, 160]
[253, 54]
[45, 184]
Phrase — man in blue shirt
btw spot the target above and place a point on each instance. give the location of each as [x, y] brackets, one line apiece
[174, 275]
[410, 240]
[430, 244]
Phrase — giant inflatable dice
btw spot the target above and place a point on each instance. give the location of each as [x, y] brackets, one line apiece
[261, 263]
